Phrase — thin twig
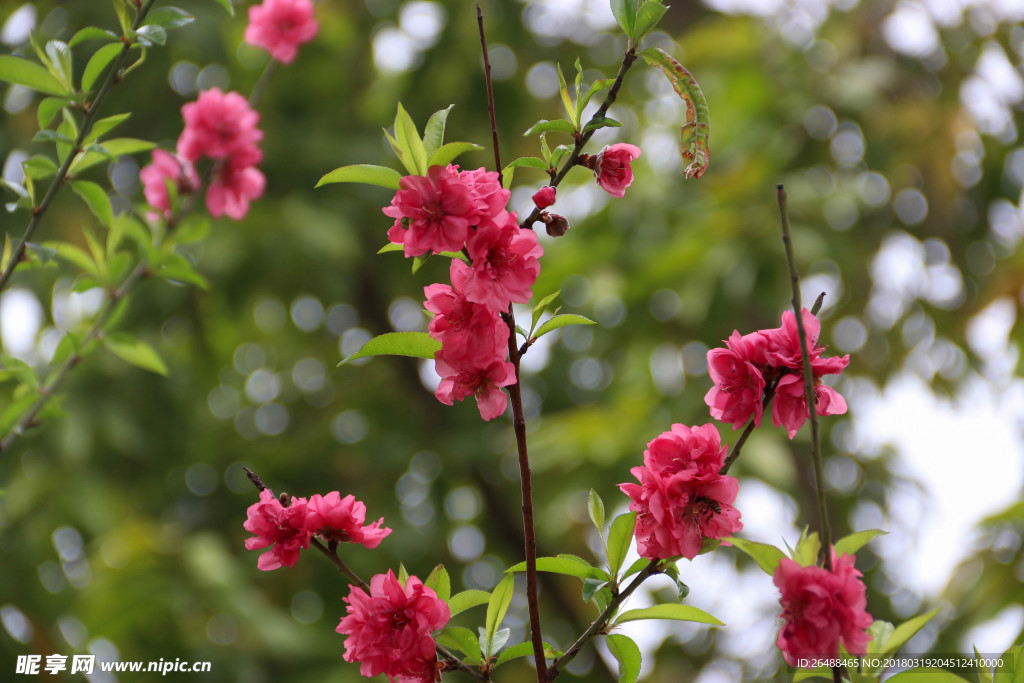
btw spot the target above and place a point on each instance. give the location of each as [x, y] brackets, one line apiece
[819, 470]
[613, 92]
[84, 131]
[602, 620]
[490, 89]
[261, 83]
[769, 391]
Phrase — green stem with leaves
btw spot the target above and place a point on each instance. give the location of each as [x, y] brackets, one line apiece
[92, 110]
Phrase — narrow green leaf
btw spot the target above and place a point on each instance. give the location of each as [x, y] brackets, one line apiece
[808, 548]
[619, 539]
[518, 650]
[363, 173]
[460, 602]
[406, 159]
[446, 154]
[696, 130]
[177, 268]
[561, 321]
[440, 582]
[52, 136]
[5, 256]
[1012, 668]
[498, 605]
[497, 642]
[413, 344]
[578, 87]
[60, 57]
[563, 90]
[92, 33]
[403, 574]
[151, 34]
[543, 126]
[98, 63]
[600, 122]
[766, 556]
[75, 255]
[880, 632]
[135, 351]
[418, 261]
[558, 153]
[907, 630]
[596, 87]
[506, 177]
[538, 311]
[39, 167]
[104, 126]
[647, 18]
[625, 12]
[848, 545]
[545, 151]
[21, 71]
[390, 246]
[531, 162]
[409, 140]
[226, 4]
[669, 611]
[569, 565]
[433, 134]
[169, 17]
[463, 640]
[48, 108]
[595, 508]
[628, 655]
[984, 673]
[114, 148]
[95, 197]
[636, 567]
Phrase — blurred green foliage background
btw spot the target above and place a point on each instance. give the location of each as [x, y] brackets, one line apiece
[121, 522]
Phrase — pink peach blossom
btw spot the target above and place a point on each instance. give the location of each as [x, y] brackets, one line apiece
[282, 527]
[789, 407]
[470, 334]
[544, 197]
[217, 125]
[820, 609]
[489, 197]
[681, 498]
[739, 384]
[167, 167]
[389, 629]
[432, 213]
[783, 346]
[613, 171]
[340, 520]
[280, 26]
[483, 383]
[505, 263]
[236, 185]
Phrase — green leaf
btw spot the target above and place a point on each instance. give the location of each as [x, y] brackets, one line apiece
[75, 255]
[543, 126]
[636, 567]
[169, 17]
[104, 126]
[92, 33]
[600, 122]
[808, 549]
[497, 606]
[674, 612]
[38, 167]
[412, 344]
[192, 229]
[463, 640]
[1012, 669]
[363, 173]
[21, 71]
[907, 630]
[460, 602]
[628, 655]
[563, 90]
[95, 197]
[591, 587]
[595, 508]
[226, 4]
[596, 87]
[152, 34]
[410, 142]
[880, 632]
[99, 61]
[5, 255]
[696, 130]
[518, 650]
[406, 160]
[625, 12]
[618, 541]
[531, 162]
[59, 55]
[651, 12]
[403, 574]
[561, 321]
[984, 674]
[440, 582]
[538, 311]
[848, 545]
[52, 136]
[433, 134]
[179, 269]
[114, 148]
[136, 352]
[418, 261]
[48, 108]
[497, 642]
[569, 565]
[558, 153]
[448, 153]
[767, 556]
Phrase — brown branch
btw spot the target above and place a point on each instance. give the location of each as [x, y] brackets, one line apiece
[581, 141]
[490, 90]
[769, 391]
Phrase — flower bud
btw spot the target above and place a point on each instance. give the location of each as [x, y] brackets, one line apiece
[544, 197]
[556, 225]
